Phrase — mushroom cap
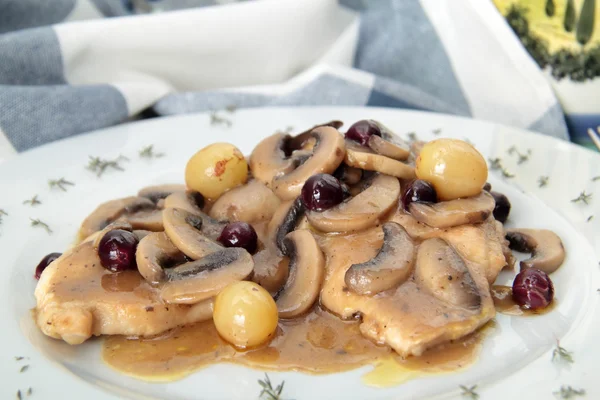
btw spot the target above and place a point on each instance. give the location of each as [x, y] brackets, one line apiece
[284, 221]
[446, 214]
[154, 252]
[307, 268]
[202, 279]
[546, 248]
[445, 275]
[112, 210]
[386, 148]
[327, 155]
[252, 202]
[159, 192]
[183, 229]
[391, 267]
[361, 211]
[271, 268]
[362, 157]
[185, 201]
[268, 159]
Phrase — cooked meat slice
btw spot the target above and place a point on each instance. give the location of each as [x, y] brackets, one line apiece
[483, 244]
[77, 298]
[407, 318]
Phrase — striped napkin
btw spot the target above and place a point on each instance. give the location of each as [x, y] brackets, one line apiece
[71, 66]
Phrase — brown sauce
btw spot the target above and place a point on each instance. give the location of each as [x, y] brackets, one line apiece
[317, 343]
[504, 303]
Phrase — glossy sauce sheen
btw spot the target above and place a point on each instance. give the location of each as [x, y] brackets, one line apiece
[316, 343]
[505, 304]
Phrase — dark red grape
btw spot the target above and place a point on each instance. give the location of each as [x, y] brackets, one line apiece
[419, 191]
[117, 250]
[533, 289]
[321, 192]
[362, 130]
[487, 187]
[239, 234]
[502, 207]
[44, 263]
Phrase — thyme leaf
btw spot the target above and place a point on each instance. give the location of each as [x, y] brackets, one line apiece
[591, 217]
[41, 224]
[437, 131]
[469, 392]
[507, 174]
[567, 392]
[412, 136]
[19, 358]
[231, 108]
[596, 178]
[268, 390]
[19, 395]
[99, 165]
[24, 368]
[60, 183]
[495, 163]
[561, 354]
[512, 150]
[148, 152]
[215, 119]
[583, 197]
[33, 201]
[543, 181]
[29, 391]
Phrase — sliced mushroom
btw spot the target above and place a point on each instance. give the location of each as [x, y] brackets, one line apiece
[154, 253]
[252, 202]
[444, 274]
[348, 175]
[112, 210]
[184, 230]
[305, 140]
[159, 192]
[388, 149]
[271, 268]
[269, 158]
[391, 267]
[446, 214]
[327, 155]
[307, 268]
[161, 263]
[546, 248]
[149, 220]
[284, 221]
[361, 211]
[188, 202]
[362, 157]
[199, 280]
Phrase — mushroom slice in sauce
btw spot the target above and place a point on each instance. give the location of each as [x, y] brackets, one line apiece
[189, 202]
[184, 230]
[154, 253]
[307, 267]
[284, 221]
[202, 279]
[361, 211]
[546, 248]
[160, 192]
[187, 282]
[444, 274]
[391, 267]
[348, 175]
[388, 149]
[269, 158]
[271, 268]
[327, 155]
[252, 202]
[123, 209]
[445, 214]
[362, 157]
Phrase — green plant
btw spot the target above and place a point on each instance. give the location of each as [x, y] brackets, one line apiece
[585, 26]
[550, 8]
[569, 21]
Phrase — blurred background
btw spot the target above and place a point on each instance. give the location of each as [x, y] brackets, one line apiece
[71, 66]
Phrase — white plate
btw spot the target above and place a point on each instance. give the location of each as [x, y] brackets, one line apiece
[516, 358]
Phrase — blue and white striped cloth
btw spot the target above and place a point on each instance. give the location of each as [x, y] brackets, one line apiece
[67, 68]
